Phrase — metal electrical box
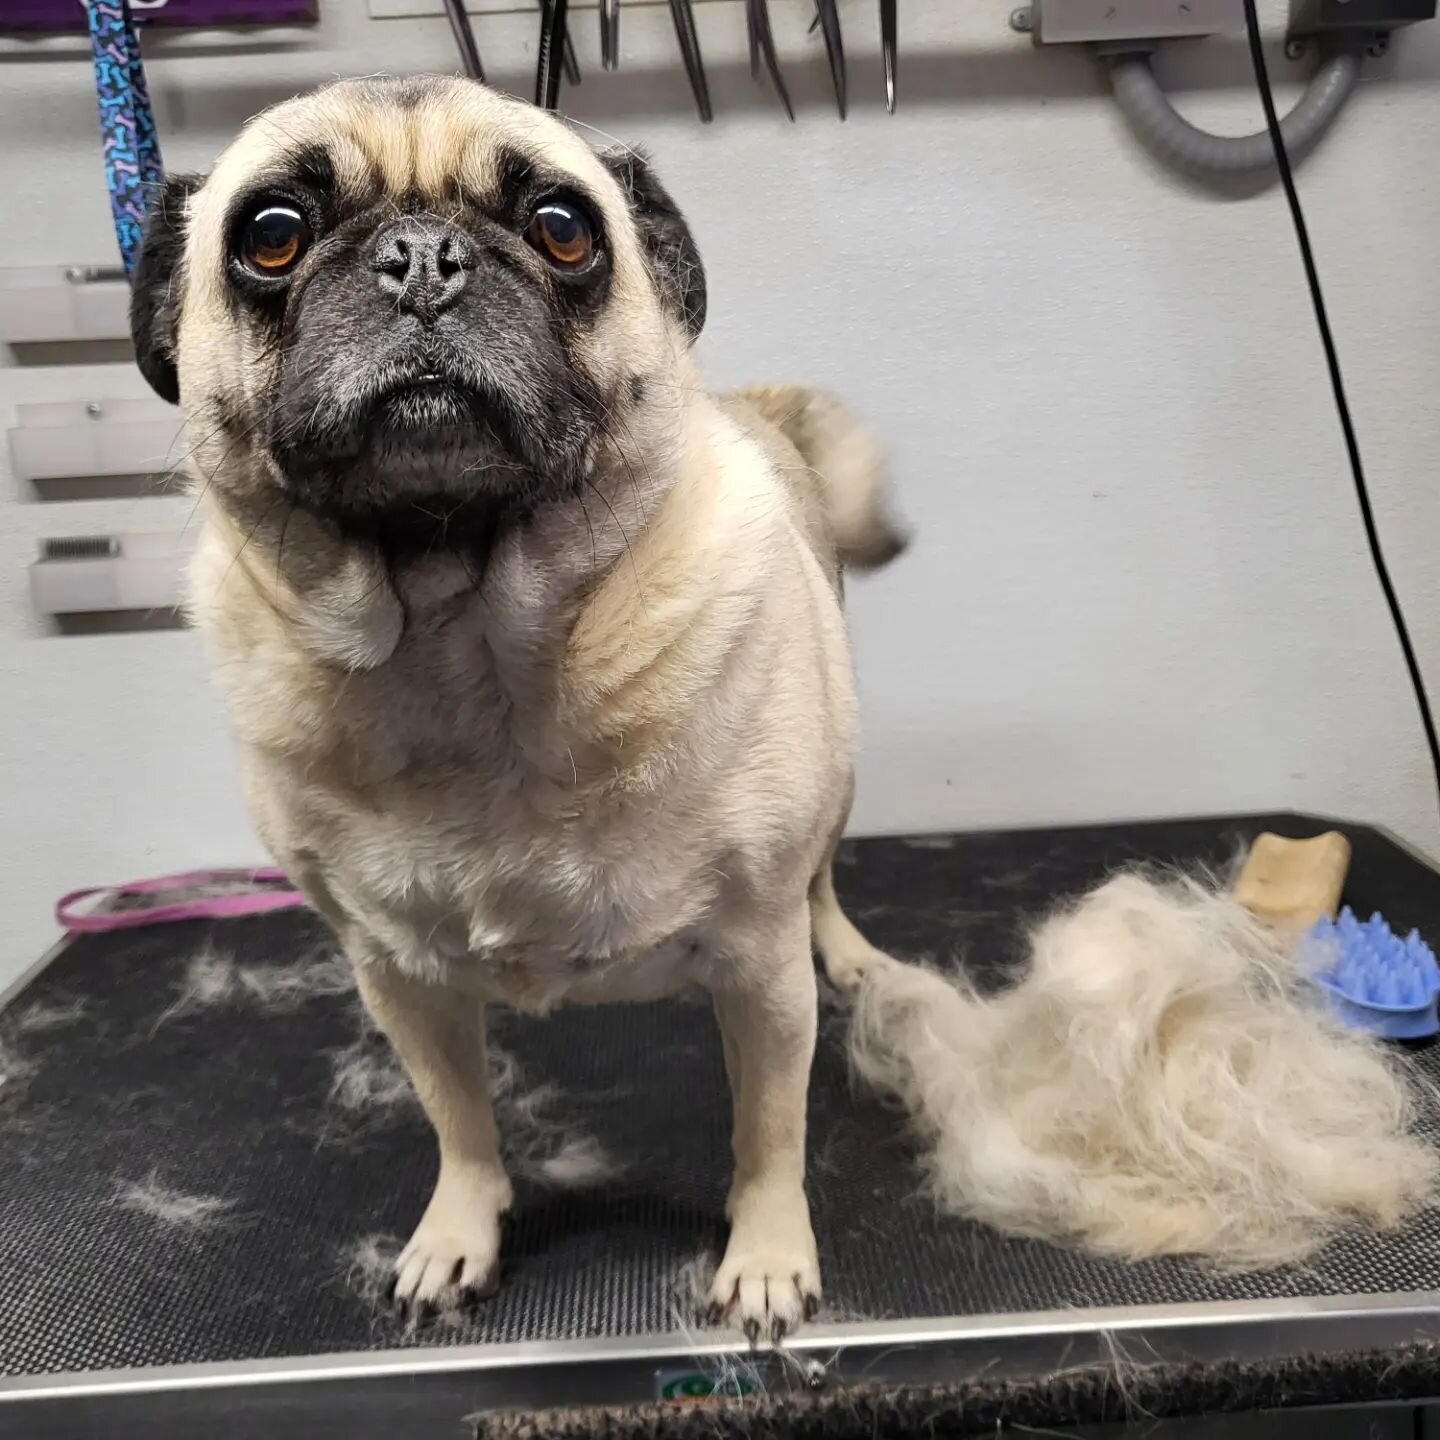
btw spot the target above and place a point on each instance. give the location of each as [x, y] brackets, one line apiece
[1323, 17]
[1098, 21]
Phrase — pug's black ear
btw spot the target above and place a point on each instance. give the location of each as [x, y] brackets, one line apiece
[154, 295]
[669, 246]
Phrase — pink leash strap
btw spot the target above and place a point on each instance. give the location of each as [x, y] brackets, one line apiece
[210, 907]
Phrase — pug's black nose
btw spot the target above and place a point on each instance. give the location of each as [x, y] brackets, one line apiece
[422, 265]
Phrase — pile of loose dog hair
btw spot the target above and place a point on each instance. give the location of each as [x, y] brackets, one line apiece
[213, 978]
[1162, 1080]
[155, 1200]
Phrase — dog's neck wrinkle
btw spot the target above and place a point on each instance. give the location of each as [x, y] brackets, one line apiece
[600, 634]
[597, 627]
[336, 600]
[349, 602]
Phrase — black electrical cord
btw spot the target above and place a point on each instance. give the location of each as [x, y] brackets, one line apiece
[1337, 385]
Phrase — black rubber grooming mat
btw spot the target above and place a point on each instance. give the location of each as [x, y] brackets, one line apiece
[104, 1102]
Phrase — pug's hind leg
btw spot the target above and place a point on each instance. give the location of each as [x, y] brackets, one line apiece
[845, 953]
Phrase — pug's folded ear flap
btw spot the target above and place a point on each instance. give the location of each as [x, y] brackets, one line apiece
[154, 295]
[669, 246]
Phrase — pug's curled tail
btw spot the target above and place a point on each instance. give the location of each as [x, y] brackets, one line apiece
[845, 477]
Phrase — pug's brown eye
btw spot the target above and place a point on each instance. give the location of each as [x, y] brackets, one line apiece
[562, 234]
[274, 239]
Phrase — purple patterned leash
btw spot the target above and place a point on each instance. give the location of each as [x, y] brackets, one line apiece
[132, 168]
[262, 896]
[127, 122]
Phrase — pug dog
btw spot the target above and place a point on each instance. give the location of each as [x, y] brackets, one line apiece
[533, 648]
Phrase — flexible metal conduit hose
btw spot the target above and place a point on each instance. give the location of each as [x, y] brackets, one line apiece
[1176, 140]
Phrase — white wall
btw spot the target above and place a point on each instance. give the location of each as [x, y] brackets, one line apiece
[1138, 587]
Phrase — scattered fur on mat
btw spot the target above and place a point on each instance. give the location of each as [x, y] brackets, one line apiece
[213, 978]
[369, 1266]
[17, 1065]
[16, 1070]
[161, 1202]
[538, 1144]
[366, 1077]
[580, 1163]
[40, 1016]
[1159, 1082]
[687, 1289]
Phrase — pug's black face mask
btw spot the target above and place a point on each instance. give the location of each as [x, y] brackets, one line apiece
[425, 358]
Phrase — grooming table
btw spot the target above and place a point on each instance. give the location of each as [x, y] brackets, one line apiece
[243, 1301]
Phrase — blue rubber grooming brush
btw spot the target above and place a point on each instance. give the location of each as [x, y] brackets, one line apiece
[1375, 980]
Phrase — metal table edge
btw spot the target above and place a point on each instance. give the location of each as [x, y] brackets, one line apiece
[622, 1369]
[12, 992]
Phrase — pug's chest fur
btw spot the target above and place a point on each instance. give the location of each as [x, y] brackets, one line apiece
[454, 818]
[477, 889]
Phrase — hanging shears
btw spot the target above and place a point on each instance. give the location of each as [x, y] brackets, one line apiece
[762, 43]
[829, 16]
[464, 39]
[887, 47]
[684, 18]
[555, 53]
[610, 34]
